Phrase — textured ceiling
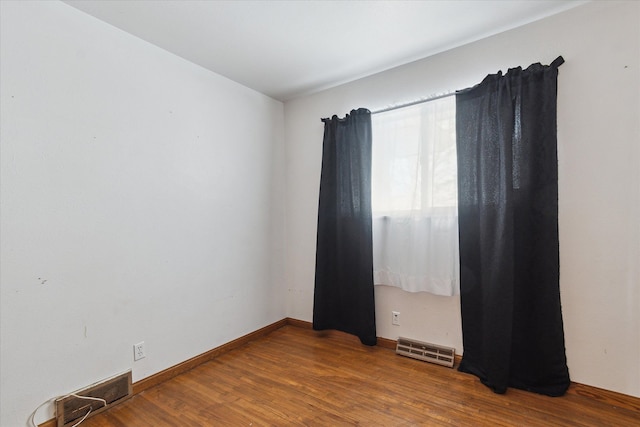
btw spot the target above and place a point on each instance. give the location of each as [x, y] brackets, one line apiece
[286, 49]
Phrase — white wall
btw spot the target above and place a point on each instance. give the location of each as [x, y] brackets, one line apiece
[599, 160]
[142, 200]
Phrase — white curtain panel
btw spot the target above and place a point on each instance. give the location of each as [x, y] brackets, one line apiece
[414, 198]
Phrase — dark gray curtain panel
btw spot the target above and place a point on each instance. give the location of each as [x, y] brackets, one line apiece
[344, 293]
[508, 224]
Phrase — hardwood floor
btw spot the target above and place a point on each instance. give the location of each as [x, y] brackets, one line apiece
[295, 376]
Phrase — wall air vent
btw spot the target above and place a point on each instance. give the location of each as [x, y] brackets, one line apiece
[425, 351]
[71, 408]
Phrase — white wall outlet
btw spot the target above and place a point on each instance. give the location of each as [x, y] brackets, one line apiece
[395, 318]
[138, 351]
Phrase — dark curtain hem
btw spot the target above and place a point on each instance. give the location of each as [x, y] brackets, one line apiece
[552, 388]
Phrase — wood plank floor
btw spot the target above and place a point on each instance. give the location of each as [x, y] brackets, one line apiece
[299, 377]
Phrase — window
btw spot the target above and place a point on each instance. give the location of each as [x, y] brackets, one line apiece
[414, 198]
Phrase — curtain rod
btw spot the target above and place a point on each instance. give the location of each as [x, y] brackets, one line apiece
[412, 103]
[556, 63]
[408, 104]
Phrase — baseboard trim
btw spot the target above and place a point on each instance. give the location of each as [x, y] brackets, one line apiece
[188, 365]
[619, 400]
[601, 395]
[387, 343]
[299, 323]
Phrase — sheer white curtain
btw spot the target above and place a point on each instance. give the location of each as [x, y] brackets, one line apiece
[414, 198]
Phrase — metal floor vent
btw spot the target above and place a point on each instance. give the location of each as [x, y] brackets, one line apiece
[70, 409]
[425, 351]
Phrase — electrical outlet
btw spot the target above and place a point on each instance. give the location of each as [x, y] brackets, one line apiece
[395, 318]
[138, 351]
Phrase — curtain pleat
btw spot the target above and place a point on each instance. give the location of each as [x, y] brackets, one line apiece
[508, 223]
[344, 292]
